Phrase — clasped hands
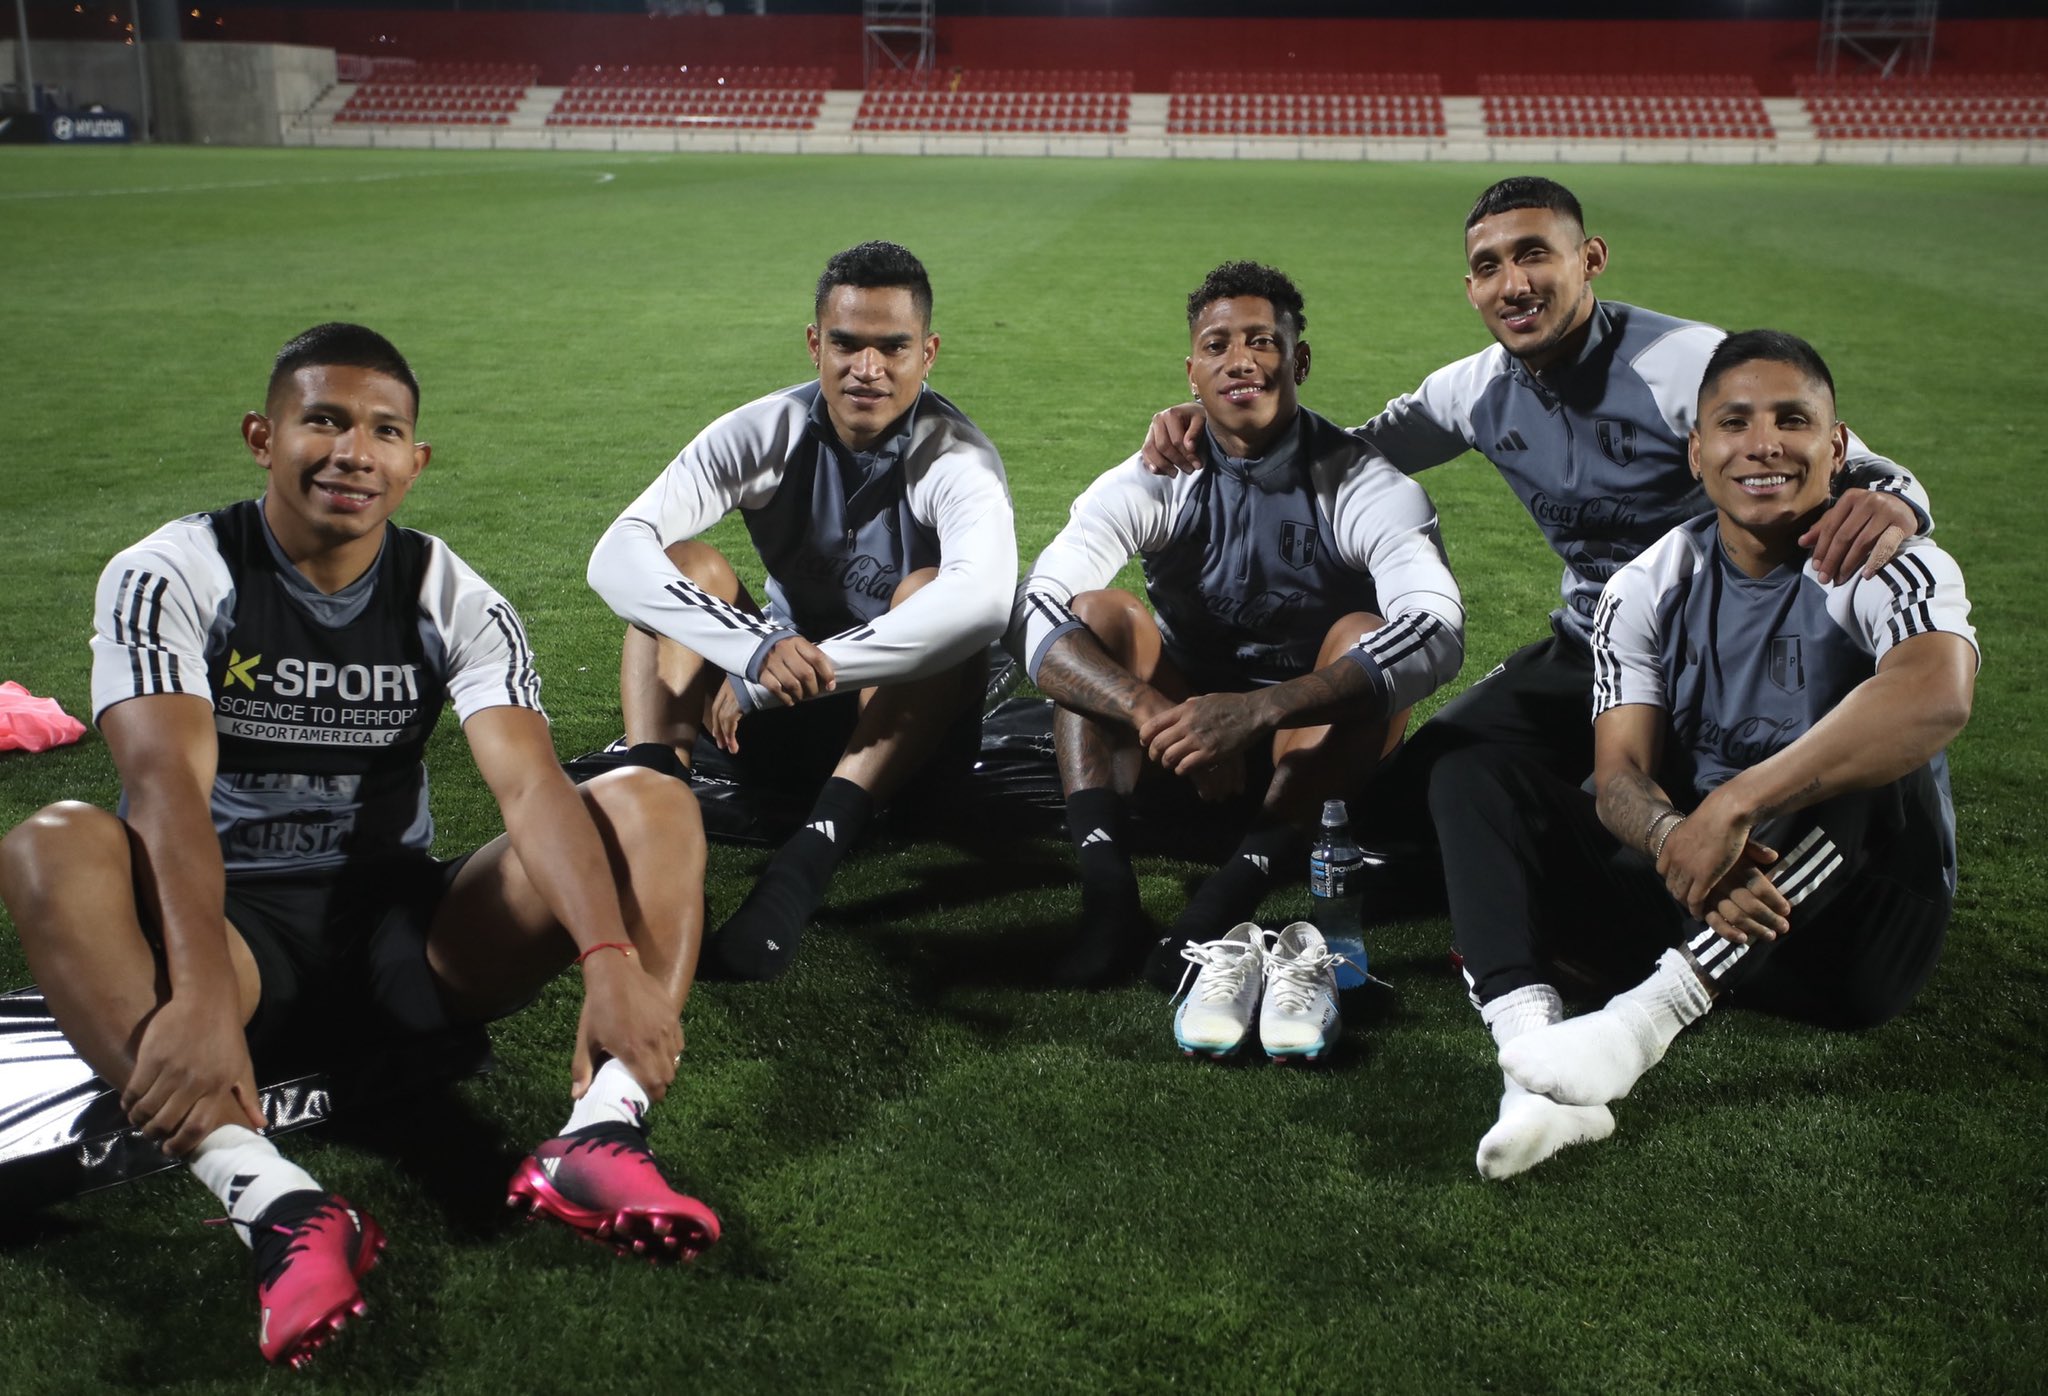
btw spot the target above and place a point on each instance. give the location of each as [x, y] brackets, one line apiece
[1713, 869]
[1204, 738]
[794, 671]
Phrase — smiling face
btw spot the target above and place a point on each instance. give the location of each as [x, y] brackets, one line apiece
[1529, 274]
[872, 349]
[338, 444]
[1244, 365]
[1767, 448]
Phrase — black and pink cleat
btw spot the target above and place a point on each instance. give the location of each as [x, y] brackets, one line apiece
[311, 1250]
[603, 1182]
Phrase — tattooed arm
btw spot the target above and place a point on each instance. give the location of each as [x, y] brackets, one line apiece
[1094, 694]
[1213, 727]
[1078, 673]
[1627, 744]
[1709, 863]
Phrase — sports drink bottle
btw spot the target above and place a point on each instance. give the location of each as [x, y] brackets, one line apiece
[1335, 887]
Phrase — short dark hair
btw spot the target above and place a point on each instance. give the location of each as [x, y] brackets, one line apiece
[877, 264]
[1526, 191]
[1234, 279]
[350, 346]
[1767, 346]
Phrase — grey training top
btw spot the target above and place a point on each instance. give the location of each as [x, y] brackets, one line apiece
[1595, 449]
[1249, 563]
[1744, 666]
[837, 531]
[322, 705]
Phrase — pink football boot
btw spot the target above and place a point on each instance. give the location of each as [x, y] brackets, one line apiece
[603, 1182]
[311, 1248]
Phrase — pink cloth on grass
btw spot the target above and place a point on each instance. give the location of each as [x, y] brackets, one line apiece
[29, 723]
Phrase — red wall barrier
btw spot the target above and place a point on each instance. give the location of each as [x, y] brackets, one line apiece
[561, 42]
[1773, 52]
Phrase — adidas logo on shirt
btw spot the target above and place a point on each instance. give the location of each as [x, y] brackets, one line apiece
[1511, 442]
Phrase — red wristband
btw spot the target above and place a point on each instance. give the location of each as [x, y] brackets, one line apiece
[623, 947]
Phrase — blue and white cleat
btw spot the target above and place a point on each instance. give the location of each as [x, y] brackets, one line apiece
[1217, 1012]
[1298, 1017]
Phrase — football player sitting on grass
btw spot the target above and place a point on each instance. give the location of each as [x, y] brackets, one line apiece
[881, 517]
[1299, 604]
[1772, 821]
[266, 677]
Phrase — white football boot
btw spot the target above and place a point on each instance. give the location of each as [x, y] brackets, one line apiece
[1217, 1012]
[1299, 1015]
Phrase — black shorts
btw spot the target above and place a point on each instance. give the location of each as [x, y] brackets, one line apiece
[1204, 676]
[342, 953]
[792, 750]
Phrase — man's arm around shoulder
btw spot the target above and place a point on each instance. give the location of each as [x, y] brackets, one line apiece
[1432, 424]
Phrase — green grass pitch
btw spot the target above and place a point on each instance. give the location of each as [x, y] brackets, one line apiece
[933, 1180]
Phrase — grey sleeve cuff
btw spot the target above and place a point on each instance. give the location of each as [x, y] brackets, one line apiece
[1382, 686]
[1038, 655]
[1883, 482]
[760, 657]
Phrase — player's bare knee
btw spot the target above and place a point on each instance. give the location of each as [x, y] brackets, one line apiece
[647, 808]
[54, 845]
[1116, 619]
[911, 585]
[706, 566]
[1106, 608]
[1346, 633]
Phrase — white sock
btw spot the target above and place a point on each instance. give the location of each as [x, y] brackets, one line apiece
[614, 1096]
[1532, 1127]
[1530, 1007]
[247, 1173]
[1599, 1057]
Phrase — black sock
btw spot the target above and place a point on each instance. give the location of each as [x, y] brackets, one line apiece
[656, 756]
[760, 939]
[1229, 895]
[1114, 928]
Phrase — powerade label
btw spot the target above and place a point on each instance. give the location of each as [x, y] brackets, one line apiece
[1331, 879]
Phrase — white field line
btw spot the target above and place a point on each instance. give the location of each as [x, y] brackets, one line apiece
[19, 195]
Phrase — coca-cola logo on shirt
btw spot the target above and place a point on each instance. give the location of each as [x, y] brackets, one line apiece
[861, 574]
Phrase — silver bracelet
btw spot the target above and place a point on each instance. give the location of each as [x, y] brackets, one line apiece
[1657, 849]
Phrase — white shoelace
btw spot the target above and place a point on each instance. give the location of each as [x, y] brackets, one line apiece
[1230, 959]
[1296, 981]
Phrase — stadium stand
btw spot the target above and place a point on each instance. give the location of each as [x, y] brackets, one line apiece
[1305, 104]
[460, 94]
[1000, 100]
[1949, 108]
[746, 98]
[1589, 107]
